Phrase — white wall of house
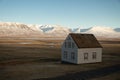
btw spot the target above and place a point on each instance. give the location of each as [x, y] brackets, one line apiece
[69, 47]
[92, 58]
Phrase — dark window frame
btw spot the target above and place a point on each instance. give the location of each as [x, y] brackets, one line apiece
[86, 56]
[69, 44]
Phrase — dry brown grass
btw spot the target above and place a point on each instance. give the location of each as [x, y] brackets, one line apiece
[41, 59]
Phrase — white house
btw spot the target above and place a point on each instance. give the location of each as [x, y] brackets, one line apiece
[81, 48]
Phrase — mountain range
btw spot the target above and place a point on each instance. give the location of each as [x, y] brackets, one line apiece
[12, 29]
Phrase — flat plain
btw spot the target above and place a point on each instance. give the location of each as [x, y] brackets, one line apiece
[35, 59]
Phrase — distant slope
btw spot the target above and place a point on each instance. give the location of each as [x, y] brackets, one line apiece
[12, 29]
[55, 30]
[76, 30]
[104, 32]
[101, 32]
[17, 30]
[117, 29]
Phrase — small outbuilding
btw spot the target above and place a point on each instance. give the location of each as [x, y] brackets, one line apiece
[81, 48]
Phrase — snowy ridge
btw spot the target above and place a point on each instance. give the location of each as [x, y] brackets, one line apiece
[104, 32]
[17, 29]
[46, 28]
[117, 29]
[8, 29]
[54, 29]
[76, 30]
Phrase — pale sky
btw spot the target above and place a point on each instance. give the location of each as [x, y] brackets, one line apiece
[68, 13]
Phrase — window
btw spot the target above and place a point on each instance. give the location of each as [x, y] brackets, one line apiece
[69, 44]
[65, 55]
[68, 38]
[73, 45]
[85, 56]
[72, 55]
[94, 55]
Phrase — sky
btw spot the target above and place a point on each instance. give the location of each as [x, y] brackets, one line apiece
[68, 13]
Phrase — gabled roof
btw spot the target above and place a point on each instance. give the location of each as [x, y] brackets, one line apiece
[85, 40]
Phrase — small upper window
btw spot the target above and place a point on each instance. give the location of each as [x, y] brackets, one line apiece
[69, 44]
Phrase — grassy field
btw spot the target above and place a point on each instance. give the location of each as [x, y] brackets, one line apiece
[37, 59]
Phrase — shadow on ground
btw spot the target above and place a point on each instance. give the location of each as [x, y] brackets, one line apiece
[85, 75]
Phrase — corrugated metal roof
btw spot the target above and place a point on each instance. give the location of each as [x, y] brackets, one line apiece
[85, 40]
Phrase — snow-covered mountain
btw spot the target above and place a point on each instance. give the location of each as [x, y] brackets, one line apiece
[8, 29]
[117, 29]
[76, 30]
[79, 30]
[102, 32]
[54, 29]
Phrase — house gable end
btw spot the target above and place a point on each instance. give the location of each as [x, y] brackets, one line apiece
[67, 41]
